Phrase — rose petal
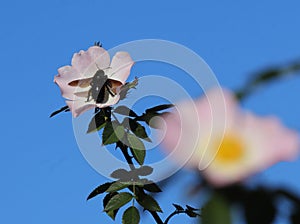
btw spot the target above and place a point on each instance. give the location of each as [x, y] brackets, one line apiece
[120, 67]
[78, 107]
[88, 62]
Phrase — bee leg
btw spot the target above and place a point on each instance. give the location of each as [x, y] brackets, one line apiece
[88, 97]
[109, 89]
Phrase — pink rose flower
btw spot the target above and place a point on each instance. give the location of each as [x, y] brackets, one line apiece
[75, 81]
[224, 142]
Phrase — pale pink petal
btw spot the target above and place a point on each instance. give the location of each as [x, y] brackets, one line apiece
[120, 67]
[111, 101]
[88, 62]
[65, 75]
[78, 107]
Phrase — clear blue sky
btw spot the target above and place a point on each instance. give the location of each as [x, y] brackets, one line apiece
[44, 178]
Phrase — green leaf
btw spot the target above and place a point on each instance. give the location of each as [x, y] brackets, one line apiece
[144, 170]
[118, 201]
[216, 210]
[148, 203]
[159, 108]
[178, 207]
[125, 111]
[112, 133]
[137, 148]
[119, 174]
[112, 214]
[99, 190]
[116, 186]
[138, 129]
[97, 122]
[125, 89]
[152, 187]
[131, 216]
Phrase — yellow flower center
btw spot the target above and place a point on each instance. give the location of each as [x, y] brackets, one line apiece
[230, 150]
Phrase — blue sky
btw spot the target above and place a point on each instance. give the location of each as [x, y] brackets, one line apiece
[44, 177]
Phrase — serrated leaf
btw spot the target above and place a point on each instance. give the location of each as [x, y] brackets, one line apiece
[112, 214]
[118, 185]
[178, 207]
[152, 187]
[159, 108]
[119, 174]
[137, 148]
[138, 129]
[118, 201]
[125, 89]
[216, 210]
[125, 111]
[99, 190]
[112, 133]
[149, 203]
[131, 216]
[144, 170]
[97, 123]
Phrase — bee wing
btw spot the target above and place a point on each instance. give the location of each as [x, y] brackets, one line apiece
[83, 83]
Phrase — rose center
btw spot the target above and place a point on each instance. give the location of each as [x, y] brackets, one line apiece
[230, 150]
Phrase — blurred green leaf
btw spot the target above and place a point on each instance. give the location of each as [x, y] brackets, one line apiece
[99, 190]
[259, 207]
[295, 215]
[118, 201]
[216, 210]
[131, 216]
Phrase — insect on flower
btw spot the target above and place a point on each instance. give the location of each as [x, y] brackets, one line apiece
[93, 80]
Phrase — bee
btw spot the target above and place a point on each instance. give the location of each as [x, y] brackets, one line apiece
[101, 87]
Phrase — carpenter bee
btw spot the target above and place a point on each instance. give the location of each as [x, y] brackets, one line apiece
[101, 87]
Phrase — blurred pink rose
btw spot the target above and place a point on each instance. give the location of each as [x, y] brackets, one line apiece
[215, 136]
[74, 81]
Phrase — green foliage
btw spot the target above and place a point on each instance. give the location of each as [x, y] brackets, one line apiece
[131, 216]
[112, 213]
[112, 133]
[137, 148]
[216, 210]
[117, 201]
[99, 190]
[148, 203]
[125, 111]
[97, 122]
